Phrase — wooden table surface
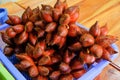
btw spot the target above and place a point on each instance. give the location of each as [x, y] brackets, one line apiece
[104, 11]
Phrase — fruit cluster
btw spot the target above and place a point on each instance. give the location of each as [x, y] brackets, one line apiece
[50, 45]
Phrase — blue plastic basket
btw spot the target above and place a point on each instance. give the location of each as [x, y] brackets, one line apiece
[91, 73]
[3, 15]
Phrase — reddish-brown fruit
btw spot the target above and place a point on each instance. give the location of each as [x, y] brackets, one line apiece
[64, 19]
[95, 29]
[64, 68]
[35, 17]
[41, 78]
[22, 38]
[76, 64]
[46, 7]
[29, 26]
[103, 30]
[73, 11]
[10, 32]
[77, 74]
[87, 40]
[55, 59]
[8, 50]
[14, 19]
[36, 10]
[40, 24]
[106, 55]
[74, 30]
[39, 49]
[87, 58]
[60, 5]
[75, 46]
[32, 39]
[18, 28]
[33, 71]
[68, 56]
[46, 15]
[44, 71]
[40, 32]
[56, 39]
[62, 42]
[106, 40]
[56, 14]
[96, 50]
[67, 77]
[9, 22]
[25, 64]
[5, 38]
[26, 15]
[55, 75]
[62, 30]
[48, 38]
[29, 49]
[44, 60]
[48, 52]
[25, 57]
[111, 50]
[18, 49]
[51, 27]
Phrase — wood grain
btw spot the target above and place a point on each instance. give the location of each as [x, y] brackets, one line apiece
[35, 3]
[12, 8]
[104, 11]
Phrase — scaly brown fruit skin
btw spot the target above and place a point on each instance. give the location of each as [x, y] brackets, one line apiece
[68, 56]
[60, 5]
[74, 30]
[8, 50]
[56, 14]
[77, 74]
[111, 50]
[87, 40]
[14, 19]
[39, 49]
[5, 38]
[106, 55]
[75, 46]
[40, 24]
[45, 60]
[51, 27]
[29, 26]
[22, 38]
[67, 77]
[62, 30]
[55, 75]
[64, 19]
[76, 64]
[95, 29]
[73, 11]
[47, 16]
[44, 71]
[18, 28]
[103, 30]
[106, 40]
[26, 15]
[33, 71]
[41, 78]
[96, 50]
[64, 68]
[10, 32]
[32, 39]
[87, 58]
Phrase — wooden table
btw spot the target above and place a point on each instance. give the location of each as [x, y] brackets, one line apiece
[104, 11]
